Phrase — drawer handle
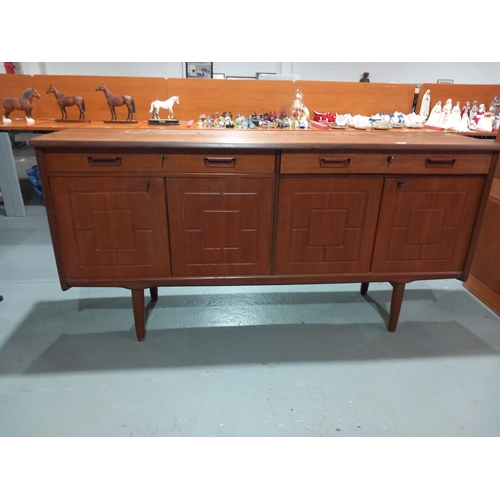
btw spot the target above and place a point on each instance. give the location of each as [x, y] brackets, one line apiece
[334, 162]
[220, 161]
[439, 162]
[105, 162]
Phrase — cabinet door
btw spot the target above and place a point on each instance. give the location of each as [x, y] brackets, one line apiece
[327, 226]
[112, 228]
[486, 262]
[425, 224]
[220, 226]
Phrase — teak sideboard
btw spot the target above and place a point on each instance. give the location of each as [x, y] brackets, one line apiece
[146, 208]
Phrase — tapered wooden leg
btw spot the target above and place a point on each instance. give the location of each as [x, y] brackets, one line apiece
[398, 290]
[364, 288]
[139, 314]
[154, 293]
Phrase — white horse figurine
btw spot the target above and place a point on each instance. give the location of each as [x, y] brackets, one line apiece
[168, 104]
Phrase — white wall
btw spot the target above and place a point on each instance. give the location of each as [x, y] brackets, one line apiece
[399, 72]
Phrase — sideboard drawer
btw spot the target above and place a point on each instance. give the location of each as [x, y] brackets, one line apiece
[441, 164]
[333, 163]
[228, 162]
[102, 162]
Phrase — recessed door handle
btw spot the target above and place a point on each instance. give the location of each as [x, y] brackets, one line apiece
[220, 161]
[115, 161]
[334, 162]
[439, 162]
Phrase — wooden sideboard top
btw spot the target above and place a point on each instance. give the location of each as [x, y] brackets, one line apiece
[360, 141]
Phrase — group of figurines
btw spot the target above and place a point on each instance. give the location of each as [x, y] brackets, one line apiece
[297, 118]
[25, 104]
[461, 119]
[443, 117]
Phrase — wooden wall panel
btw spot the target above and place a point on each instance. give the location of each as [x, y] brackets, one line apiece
[142, 89]
[355, 97]
[206, 96]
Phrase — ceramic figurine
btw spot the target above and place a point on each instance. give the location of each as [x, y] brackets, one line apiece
[361, 122]
[445, 112]
[303, 122]
[202, 121]
[63, 101]
[298, 109]
[473, 111]
[396, 119]
[485, 122]
[23, 103]
[463, 126]
[114, 100]
[434, 116]
[453, 119]
[426, 104]
[466, 110]
[340, 121]
[414, 121]
[325, 117]
[168, 105]
[495, 106]
[480, 112]
[365, 78]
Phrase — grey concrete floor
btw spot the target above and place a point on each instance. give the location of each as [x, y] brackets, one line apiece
[237, 361]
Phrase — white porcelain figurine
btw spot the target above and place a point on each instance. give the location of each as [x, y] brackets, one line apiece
[426, 104]
[453, 119]
[168, 105]
[434, 116]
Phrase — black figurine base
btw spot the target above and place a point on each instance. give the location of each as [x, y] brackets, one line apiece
[120, 121]
[163, 122]
[71, 120]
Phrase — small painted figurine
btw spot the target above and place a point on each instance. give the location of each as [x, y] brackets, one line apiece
[485, 123]
[473, 111]
[466, 109]
[115, 100]
[365, 78]
[480, 113]
[23, 103]
[63, 101]
[495, 106]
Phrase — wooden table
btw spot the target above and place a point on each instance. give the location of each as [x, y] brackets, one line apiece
[146, 208]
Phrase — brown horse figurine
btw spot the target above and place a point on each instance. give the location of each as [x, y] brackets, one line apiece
[63, 101]
[23, 103]
[114, 100]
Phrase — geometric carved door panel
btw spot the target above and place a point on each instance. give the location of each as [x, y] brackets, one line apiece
[220, 226]
[112, 228]
[425, 224]
[327, 226]
[486, 262]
